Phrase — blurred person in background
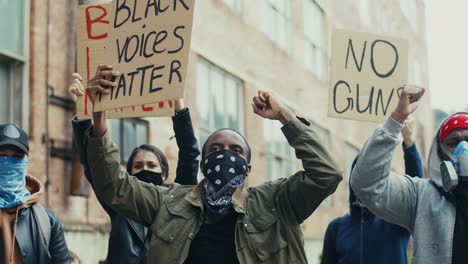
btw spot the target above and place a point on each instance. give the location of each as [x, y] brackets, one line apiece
[360, 236]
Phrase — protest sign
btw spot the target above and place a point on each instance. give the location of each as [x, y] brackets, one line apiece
[366, 75]
[148, 42]
[92, 32]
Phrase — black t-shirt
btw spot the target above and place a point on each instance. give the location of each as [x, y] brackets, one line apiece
[460, 234]
[215, 243]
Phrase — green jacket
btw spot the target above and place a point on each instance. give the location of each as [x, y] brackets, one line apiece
[268, 226]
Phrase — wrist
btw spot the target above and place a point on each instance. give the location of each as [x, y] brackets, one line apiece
[179, 105]
[285, 115]
[408, 142]
[400, 118]
[100, 124]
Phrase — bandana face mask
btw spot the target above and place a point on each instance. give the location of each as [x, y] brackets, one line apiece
[150, 177]
[13, 181]
[455, 170]
[224, 171]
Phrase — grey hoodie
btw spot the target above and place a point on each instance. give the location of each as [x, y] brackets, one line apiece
[419, 205]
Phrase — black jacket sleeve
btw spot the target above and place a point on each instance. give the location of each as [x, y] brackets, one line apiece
[79, 131]
[57, 247]
[187, 165]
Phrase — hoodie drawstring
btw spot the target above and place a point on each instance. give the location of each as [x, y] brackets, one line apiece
[13, 239]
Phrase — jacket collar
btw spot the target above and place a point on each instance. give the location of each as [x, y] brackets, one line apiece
[239, 197]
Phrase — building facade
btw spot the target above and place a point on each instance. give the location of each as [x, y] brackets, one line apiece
[238, 47]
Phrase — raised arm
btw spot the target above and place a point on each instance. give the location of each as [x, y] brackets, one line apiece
[413, 164]
[125, 194]
[299, 195]
[79, 132]
[387, 195]
[187, 165]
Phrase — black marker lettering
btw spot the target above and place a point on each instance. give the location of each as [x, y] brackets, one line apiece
[121, 85]
[143, 71]
[369, 104]
[350, 100]
[154, 77]
[159, 40]
[175, 70]
[350, 47]
[389, 73]
[118, 9]
[180, 38]
[380, 98]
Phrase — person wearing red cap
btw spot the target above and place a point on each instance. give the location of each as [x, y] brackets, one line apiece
[434, 210]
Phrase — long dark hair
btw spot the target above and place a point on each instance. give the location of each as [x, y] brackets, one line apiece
[157, 152]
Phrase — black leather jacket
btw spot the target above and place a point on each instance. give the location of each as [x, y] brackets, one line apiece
[31, 241]
[129, 240]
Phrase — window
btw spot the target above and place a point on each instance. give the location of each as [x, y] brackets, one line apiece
[14, 17]
[276, 22]
[410, 10]
[128, 134]
[365, 12]
[234, 4]
[315, 54]
[219, 100]
[280, 160]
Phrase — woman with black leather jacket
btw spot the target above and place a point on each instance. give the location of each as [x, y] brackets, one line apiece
[129, 240]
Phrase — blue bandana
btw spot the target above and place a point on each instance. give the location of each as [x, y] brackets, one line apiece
[13, 181]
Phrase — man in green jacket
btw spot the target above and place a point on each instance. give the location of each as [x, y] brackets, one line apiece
[219, 220]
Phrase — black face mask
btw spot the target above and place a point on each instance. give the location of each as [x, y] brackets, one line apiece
[150, 177]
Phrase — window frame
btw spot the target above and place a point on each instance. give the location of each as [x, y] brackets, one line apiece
[311, 47]
[121, 144]
[211, 127]
[273, 35]
[409, 8]
[284, 156]
[23, 62]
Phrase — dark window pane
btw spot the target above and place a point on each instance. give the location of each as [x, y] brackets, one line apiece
[5, 91]
[129, 138]
[141, 133]
[11, 90]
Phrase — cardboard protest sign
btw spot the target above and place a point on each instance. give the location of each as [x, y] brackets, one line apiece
[148, 42]
[366, 75]
[92, 33]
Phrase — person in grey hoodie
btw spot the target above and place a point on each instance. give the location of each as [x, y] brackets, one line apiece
[434, 210]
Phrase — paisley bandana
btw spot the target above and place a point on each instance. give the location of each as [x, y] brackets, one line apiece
[224, 171]
[13, 181]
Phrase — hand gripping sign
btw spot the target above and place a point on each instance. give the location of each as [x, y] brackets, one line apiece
[148, 42]
[367, 75]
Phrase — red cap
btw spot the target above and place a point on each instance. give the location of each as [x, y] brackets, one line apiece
[459, 120]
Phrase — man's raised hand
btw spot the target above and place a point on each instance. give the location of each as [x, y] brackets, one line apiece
[408, 102]
[268, 106]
